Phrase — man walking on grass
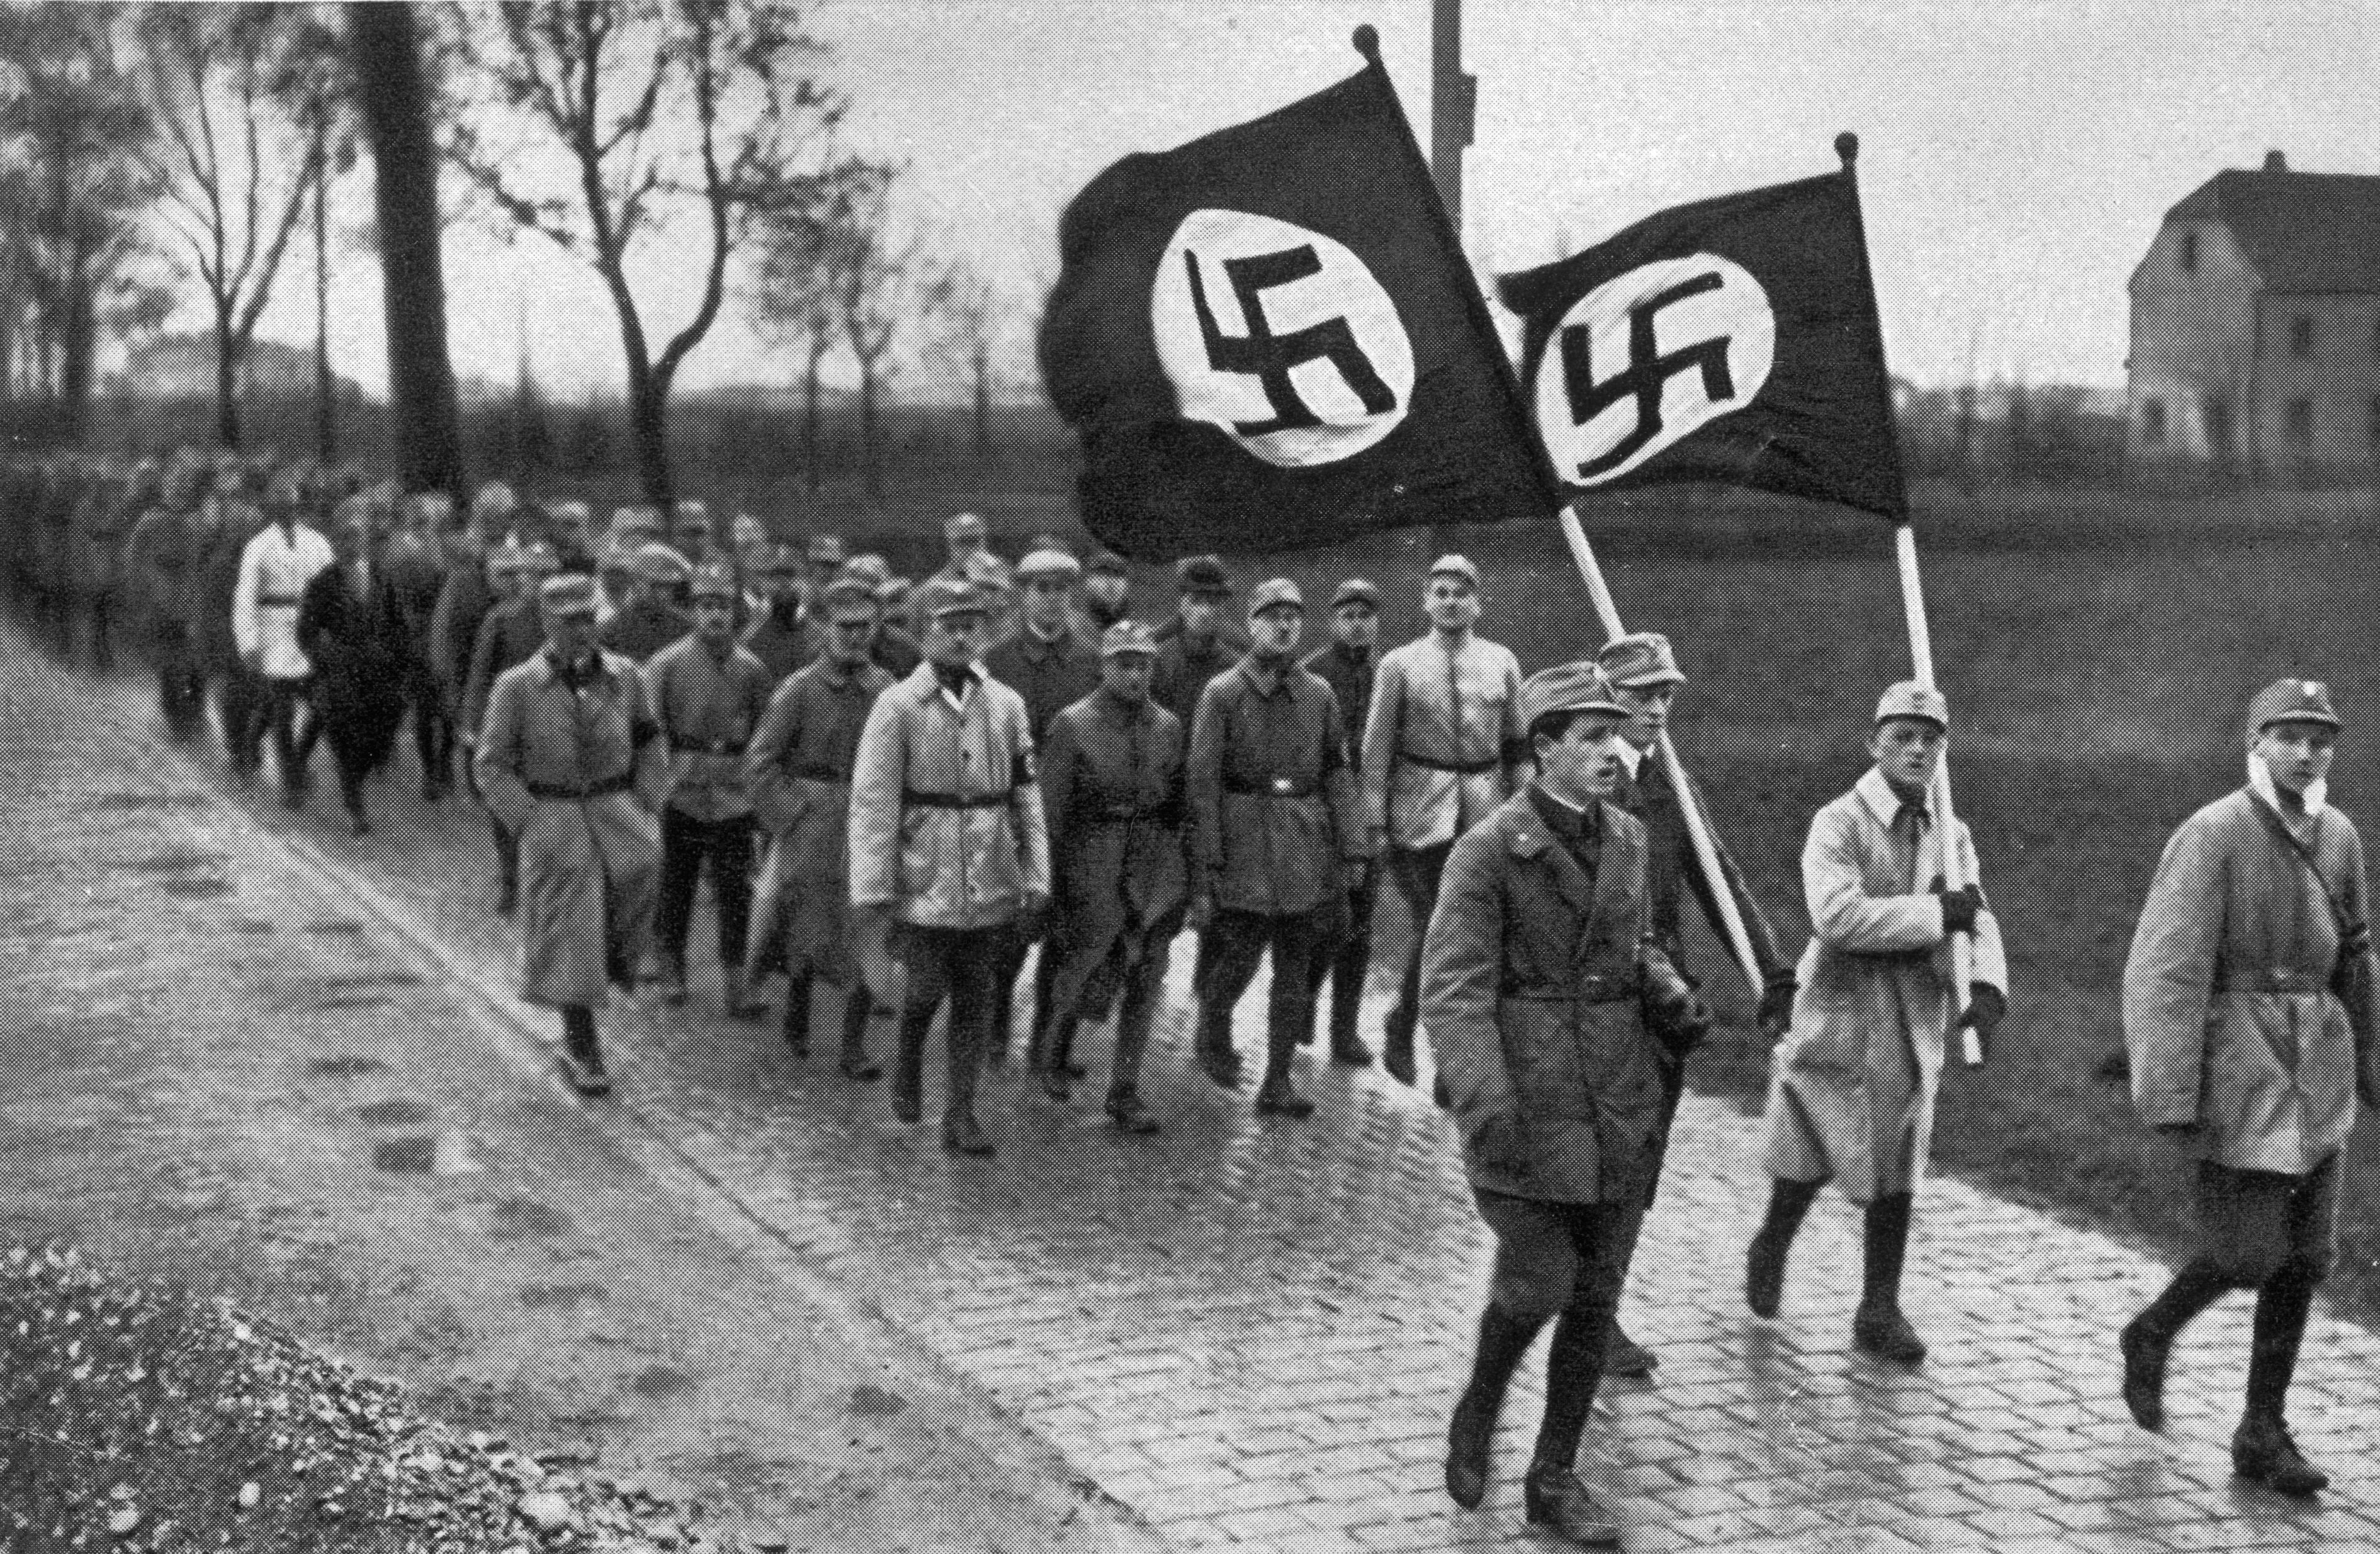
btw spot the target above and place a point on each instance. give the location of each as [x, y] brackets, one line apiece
[2244, 1053]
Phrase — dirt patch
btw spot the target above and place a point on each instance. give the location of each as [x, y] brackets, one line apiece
[393, 1113]
[562, 1297]
[347, 1065]
[411, 1156]
[123, 803]
[197, 887]
[874, 1403]
[174, 860]
[661, 1381]
[526, 1219]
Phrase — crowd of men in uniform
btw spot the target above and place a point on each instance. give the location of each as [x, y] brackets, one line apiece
[899, 791]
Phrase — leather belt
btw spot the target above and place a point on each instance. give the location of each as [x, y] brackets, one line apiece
[706, 746]
[954, 801]
[565, 793]
[1590, 989]
[2273, 982]
[1458, 768]
[819, 771]
[1279, 787]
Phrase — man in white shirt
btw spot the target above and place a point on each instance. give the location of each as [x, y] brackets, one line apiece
[274, 571]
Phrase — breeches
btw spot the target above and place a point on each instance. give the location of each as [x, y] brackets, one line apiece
[1547, 1254]
[2252, 1222]
[689, 846]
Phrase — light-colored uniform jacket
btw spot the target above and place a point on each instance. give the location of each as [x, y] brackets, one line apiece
[1852, 1084]
[2228, 1015]
[1416, 719]
[578, 777]
[273, 572]
[968, 857]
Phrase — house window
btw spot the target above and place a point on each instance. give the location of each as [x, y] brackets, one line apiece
[2153, 421]
[2190, 253]
[2299, 423]
[2301, 334]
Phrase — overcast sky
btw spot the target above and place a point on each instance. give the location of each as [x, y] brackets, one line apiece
[2016, 156]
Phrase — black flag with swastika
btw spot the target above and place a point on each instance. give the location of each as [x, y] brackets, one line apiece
[1268, 340]
[1734, 340]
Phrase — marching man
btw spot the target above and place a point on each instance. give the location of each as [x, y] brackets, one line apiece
[1550, 1012]
[2244, 1054]
[278, 562]
[1852, 1087]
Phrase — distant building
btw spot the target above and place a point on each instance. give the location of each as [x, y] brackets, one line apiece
[2256, 340]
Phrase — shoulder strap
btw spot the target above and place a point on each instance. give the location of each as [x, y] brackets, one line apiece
[2345, 921]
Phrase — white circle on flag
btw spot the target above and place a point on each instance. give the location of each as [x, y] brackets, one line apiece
[1646, 359]
[1279, 336]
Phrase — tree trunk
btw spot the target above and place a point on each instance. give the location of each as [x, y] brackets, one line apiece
[871, 457]
[80, 345]
[326, 408]
[649, 431]
[812, 463]
[982, 402]
[226, 384]
[386, 53]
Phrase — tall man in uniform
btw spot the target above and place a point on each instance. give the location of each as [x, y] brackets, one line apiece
[707, 694]
[1442, 746]
[1194, 645]
[1113, 792]
[1346, 666]
[799, 773]
[1552, 1014]
[947, 840]
[784, 634]
[1645, 678]
[570, 762]
[161, 559]
[2246, 1056]
[1052, 666]
[509, 636]
[1852, 1085]
[275, 568]
[1280, 842]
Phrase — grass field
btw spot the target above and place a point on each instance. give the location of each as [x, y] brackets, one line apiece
[2098, 652]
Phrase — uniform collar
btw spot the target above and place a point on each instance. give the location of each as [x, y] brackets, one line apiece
[1633, 759]
[2260, 782]
[1267, 682]
[1881, 801]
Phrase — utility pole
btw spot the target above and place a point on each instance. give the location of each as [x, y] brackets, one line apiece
[1454, 106]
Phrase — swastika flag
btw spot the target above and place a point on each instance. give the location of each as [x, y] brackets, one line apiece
[1268, 340]
[1734, 340]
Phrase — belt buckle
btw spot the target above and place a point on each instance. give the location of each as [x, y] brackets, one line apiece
[1282, 786]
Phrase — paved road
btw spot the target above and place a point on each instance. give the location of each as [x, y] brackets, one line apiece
[1248, 1333]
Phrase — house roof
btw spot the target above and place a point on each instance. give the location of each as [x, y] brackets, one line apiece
[2304, 232]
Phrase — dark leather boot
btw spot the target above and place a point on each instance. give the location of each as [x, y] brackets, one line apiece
[1558, 1503]
[1126, 1114]
[909, 1068]
[961, 1135]
[1885, 1333]
[1399, 1062]
[2145, 1353]
[797, 1015]
[1503, 1341]
[582, 1055]
[2263, 1451]
[853, 1060]
[1624, 1356]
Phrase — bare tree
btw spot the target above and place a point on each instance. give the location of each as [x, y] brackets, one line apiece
[966, 311]
[791, 299]
[662, 108]
[880, 279]
[229, 87]
[75, 259]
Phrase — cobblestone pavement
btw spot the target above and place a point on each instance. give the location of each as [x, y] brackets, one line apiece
[1250, 1333]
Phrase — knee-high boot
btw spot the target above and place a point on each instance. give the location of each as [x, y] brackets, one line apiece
[858, 1005]
[909, 1064]
[1879, 1327]
[797, 1013]
[1763, 1263]
[2147, 1340]
[1503, 1341]
[2262, 1450]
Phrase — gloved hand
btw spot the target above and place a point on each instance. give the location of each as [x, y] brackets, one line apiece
[1986, 1007]
[1777, 1008]
[1501, 1146]
[1202, 912]
[1678, 1018]
[1960, 906]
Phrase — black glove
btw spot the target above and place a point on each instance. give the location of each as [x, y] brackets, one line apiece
[1959, 908]
[1500, 1145]
[1986, 1007]
[1777, 1007]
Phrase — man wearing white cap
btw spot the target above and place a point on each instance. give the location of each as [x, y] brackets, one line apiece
[2247, 1002]
[1852, 1085]
[1549, 1012]
[275, 568]
[1442, 746]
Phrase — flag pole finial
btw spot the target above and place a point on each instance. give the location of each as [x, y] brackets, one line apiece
[1367, 42]
[1847, 148]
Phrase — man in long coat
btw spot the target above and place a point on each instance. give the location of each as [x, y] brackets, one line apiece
[947, 840]
[2244, 1054]
[1113, 795]
[1852, 1087]
[351, 628]
[569, 760]
[783, 635]
[509, 635]
[799, 773]
[415, 561]
[1348, 666]
[1551, 1013]
[1279, 840]
[1645, 679]
[161, 559]
[1441, 749]
[707, 694]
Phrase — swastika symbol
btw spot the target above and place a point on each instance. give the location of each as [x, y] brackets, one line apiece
[1647, 373]
[1270, 358]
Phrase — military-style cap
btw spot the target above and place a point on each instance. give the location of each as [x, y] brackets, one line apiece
[572, 593]
[1049, 563]
[1451, 565]
[1201, 574]
[748, 530]
[1356, 590]
[1638, 659]
[1106, 561]
[941, 598]
[851, 590]
[963, 523]
[539, 556]
[1273, 593]
[657, 562]
[691, 507]
[715, 580]
[506, 559]
[572, 508]
[1910, 700]
[988, 571]
[1128, 636]
[634, 519]
[826, 550]
[871, 568]
[1567, 687]
[2292, 701]
[779, 561]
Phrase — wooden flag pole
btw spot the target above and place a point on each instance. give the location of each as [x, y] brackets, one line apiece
[1738, 938]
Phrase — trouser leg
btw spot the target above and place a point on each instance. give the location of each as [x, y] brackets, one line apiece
[682, 849]
[925, 954]
[1295, 939]
[291, 748]
[975, 961]
[1885, 1249]
[1007, 965]
[2284, 1303]
[1417, 872]
[507, 864]
[1764, 1279]
[1574, 1359]
[858, 1007]
[1050, 1034]
[1144, 988]
[1236, 941]
[798, 1012]
[731, 885]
